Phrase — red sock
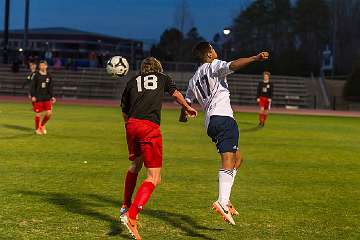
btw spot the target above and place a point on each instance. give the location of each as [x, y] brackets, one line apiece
[265, 116]
[37, 122]
[130, 183]
[261, 118]
[142, 196]
[45, 120]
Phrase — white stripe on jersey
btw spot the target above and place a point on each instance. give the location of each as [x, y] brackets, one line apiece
[209, 87]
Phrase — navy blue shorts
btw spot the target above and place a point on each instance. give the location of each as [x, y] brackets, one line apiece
[224, 132]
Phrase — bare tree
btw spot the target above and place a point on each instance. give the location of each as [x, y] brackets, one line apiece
[183, 18]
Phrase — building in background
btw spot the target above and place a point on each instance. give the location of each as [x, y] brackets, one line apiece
[67, 44]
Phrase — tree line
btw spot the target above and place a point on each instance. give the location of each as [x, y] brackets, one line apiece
[295, 33]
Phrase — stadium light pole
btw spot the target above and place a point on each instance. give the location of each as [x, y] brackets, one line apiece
[6, 31]
[334, 37]
[26, 24]
[227, 33]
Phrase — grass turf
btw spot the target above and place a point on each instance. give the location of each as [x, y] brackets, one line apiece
[300, 179]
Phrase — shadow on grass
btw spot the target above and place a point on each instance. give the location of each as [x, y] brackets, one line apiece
[27, 132]
[182, 222]
[17, 127]
[83, 206]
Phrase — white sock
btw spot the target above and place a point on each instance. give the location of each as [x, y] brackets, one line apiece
[225, 184]
[233, 179]
[234, 174]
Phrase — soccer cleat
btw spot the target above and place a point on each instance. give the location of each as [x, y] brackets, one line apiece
[43, 130]
[131, 225]
[38, 132]
[226, 215]
[232, 209]
[123, 209]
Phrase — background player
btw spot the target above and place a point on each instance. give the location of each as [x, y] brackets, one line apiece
[209, 86]
[264, 97]
[42, 97]
[32, 68]
[141, 105]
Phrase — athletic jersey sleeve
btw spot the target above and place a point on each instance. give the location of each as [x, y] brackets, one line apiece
[258, 90]
[170, 85]
[220, 68]
[125, 105]
[271, 90]
[51, 87]
[27, 80]
[34, 80]
[189, 97]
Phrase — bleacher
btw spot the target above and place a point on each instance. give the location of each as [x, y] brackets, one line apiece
[90, 83]
[82, 83]
[291, 92]
[288, 91]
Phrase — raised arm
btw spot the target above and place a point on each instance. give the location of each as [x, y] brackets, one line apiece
[242, 62]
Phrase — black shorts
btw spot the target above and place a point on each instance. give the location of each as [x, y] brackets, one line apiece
[224, 132]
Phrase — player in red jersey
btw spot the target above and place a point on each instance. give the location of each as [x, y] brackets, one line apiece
[42, 96]
[141, 106]
[264, 97]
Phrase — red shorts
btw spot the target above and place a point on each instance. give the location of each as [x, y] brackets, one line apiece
[42, 106]
[144, 139]
[264, 103]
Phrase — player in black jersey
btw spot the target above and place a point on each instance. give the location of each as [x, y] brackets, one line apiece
[42, 96]
[141, 106]
[33, 69]
[265, 91]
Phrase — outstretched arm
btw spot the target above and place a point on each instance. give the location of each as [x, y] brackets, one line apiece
[179, 98]
[242, 62]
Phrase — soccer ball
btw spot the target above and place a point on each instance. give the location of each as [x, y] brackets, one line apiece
[117, 66]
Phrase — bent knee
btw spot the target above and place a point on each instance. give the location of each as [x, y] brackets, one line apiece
[156, 181]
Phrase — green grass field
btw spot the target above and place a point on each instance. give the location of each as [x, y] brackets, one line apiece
[300, 180]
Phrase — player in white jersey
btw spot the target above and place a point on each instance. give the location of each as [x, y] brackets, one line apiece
[210, 88]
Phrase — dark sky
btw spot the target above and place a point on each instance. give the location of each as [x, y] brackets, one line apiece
[140, 19]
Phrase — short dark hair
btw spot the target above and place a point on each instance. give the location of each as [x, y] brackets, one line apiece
[200, 50]
[43, 61]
